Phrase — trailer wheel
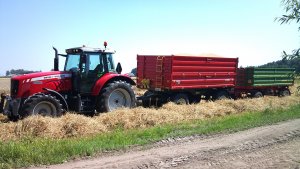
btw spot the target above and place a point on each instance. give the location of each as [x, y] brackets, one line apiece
[116, 95]
[180, 98]
[195, 99]
[284, 92]
[220, 95]
[147, 103]
[42, 104]
[257, 94]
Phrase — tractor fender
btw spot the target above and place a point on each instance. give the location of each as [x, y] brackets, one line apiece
[108, 78]
[58, 96]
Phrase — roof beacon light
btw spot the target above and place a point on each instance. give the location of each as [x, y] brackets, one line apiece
[105, 44]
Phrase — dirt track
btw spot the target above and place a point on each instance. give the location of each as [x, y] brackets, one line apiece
[275, 146]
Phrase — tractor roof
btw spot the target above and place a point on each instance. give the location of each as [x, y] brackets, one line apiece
[89, 49]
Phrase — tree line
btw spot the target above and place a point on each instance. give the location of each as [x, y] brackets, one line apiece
[18, 72]
[285, 63]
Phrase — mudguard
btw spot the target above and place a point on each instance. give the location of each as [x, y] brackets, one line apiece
[58, 96]
[108, 78]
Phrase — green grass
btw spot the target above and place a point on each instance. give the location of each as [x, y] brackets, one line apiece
[35, 151]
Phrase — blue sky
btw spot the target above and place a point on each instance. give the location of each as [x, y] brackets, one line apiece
[229, 28]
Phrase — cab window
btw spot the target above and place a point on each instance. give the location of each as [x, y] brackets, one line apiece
[72, 62]
[94, 61]
[110, 62]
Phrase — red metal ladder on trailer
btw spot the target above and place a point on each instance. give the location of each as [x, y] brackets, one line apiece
[159, 75]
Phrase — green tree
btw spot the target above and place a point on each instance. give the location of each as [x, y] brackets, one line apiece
[19, 72]
[292, 9]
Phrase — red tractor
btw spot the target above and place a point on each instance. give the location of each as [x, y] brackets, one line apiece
[90, 82]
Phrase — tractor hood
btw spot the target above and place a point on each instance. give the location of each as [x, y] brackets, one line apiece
[29, 84]
[42, 76]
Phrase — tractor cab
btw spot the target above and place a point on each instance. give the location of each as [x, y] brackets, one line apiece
[88, 65]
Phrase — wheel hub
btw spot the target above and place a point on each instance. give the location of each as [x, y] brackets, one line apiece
[44, 108]
[119, 98]
[181, 101]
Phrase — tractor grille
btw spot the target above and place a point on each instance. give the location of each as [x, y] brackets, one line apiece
[14, 86]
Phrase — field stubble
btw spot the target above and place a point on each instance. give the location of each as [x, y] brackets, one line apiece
[4, 85]
[75, 125]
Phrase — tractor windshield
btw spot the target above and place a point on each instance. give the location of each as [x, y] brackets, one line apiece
[90, 62]
[72, 62]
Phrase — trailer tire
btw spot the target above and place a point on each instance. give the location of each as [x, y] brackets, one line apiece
[195, 99]
[42, 104]
[220, 95]
[284, 93]
[257, 94]
[147, 102]
[180, 98]
[116, 95]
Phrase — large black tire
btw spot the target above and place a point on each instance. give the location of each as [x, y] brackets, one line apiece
[195, 99]
[156, 100]
[180, 98]
[116, 95]
[220, 95]
[284, 93]
[147, 102]
[257, 94]
[42, 104]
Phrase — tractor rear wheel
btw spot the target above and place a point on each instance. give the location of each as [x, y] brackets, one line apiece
[42, 104]
[116, 95]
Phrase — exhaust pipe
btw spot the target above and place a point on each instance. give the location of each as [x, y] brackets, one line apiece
[56, 61]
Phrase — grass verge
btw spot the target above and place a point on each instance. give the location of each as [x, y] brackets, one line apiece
[36, 151]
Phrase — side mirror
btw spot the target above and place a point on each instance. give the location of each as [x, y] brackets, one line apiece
[119, 68]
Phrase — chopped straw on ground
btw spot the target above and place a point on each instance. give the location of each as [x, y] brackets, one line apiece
[74, 125]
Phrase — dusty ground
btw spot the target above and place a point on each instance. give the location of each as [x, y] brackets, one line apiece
[275, 146]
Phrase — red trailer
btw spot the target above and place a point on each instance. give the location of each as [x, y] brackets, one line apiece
[184, 79]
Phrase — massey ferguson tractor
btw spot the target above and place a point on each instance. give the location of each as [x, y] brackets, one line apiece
[89, 83]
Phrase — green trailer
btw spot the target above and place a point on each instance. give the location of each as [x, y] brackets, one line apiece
[264, 81]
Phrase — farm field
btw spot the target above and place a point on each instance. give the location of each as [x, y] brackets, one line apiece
[4, 85]
[72, 127]
[76, 125]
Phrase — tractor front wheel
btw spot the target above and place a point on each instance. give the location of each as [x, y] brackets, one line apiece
[116, 95]
[42, 104]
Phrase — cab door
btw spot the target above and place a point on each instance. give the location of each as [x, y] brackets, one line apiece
[92, 70]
